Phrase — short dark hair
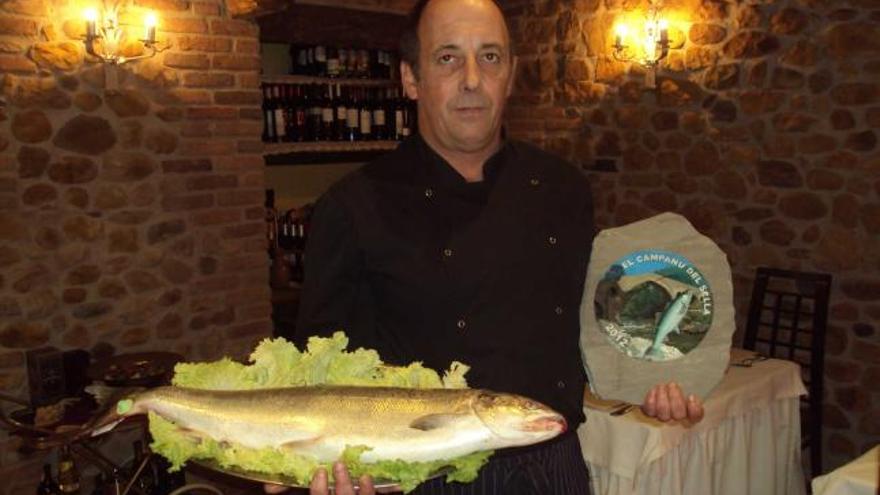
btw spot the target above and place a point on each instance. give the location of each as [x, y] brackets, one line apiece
[409, 41]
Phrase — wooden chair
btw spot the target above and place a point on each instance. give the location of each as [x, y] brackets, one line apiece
[788, 316]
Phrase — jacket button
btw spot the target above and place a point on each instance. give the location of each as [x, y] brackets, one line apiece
[535, 182]
[429, 192]
[552, 240]
[447, 253]
[461, 324]
[558, 310]
[560, 384]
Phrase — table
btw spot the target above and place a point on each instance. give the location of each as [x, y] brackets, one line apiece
[859, 477]
[748, 441]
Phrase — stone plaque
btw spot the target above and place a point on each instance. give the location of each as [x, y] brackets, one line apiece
[657, 307]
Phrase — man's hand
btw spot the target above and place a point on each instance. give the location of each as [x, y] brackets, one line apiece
[667, 401]
[344, 486]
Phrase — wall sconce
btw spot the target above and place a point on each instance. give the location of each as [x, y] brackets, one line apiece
[106, 27]
[647, 46]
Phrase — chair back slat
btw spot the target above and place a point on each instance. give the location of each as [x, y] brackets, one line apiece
[788, 318]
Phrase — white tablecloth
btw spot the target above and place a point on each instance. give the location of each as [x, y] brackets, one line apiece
[747, 443]
[859, 477]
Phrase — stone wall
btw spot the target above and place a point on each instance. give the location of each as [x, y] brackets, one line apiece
[762, 131]
[131, 211]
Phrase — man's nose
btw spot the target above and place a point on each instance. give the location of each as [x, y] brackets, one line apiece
[471, 76]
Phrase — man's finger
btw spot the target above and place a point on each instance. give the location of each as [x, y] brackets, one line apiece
[649, 407]
[677, 403]
[365, 484]
[318, 486]
[273, 488]
[663, 403]
[342, 480]
[695, 409]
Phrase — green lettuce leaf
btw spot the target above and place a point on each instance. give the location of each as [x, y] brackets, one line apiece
[278, 363]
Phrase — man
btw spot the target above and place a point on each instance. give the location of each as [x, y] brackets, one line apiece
[461, 245]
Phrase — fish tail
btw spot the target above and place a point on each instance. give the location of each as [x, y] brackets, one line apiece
[654, 352]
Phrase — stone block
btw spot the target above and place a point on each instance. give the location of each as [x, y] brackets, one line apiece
[39, 195]
[32, 162]
[72, 169]
[17, 26]
[624, 364]
[788, 21]
[803, 206]
[127, 102]
[31, 126]
[707, 34]
[85, 134]
[751, 44]
[58, 55]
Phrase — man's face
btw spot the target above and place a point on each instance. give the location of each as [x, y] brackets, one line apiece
[465, 74]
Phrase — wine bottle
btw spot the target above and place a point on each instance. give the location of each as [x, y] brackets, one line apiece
[313, 121]
[380, 129]
[278, 108]
[300, 111]
[344, 63]
[352, 120]
[47, 485]
[68, 475]
[333, 62]
[268, 115]
[366, 116]
[320, 61]
[328, 115]
[399, 117]
[341, 115]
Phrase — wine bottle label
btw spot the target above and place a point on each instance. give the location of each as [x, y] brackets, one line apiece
[341, 113]
[333, 67]
[398, 121]
[327, 115]
[320, 54]
[351, 118]
[405, 132]
[280, 123]
[379, 117]
[366, 123]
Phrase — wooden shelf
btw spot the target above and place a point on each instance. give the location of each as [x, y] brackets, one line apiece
[297, 79]
[325, 152]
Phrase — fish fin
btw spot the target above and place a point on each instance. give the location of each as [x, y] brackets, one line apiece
[297, 444]
[434, 421]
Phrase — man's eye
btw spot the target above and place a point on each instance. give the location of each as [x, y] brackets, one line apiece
[446, 59]
[492, 57]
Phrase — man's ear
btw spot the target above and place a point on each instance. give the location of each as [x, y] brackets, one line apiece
[409, 80]
[512, 80]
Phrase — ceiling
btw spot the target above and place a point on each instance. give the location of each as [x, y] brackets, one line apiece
[258, 8]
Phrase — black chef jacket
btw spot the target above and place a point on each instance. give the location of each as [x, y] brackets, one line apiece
[408, 258]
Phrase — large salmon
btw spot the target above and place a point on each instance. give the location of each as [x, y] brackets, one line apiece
[395, 423]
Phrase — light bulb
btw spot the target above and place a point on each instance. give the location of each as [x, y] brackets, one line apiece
[150, 23]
